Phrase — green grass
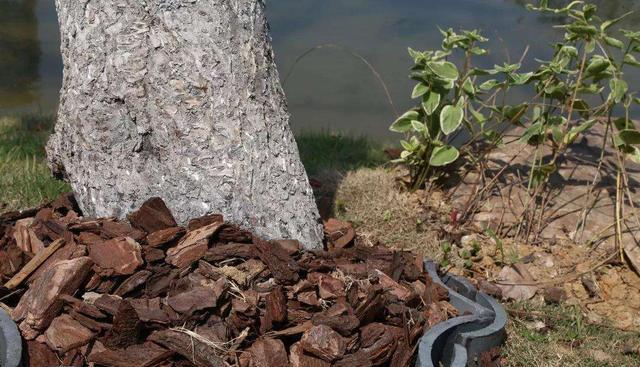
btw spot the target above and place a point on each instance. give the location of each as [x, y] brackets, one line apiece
[25, 179]
[567, 341]
[322, 151]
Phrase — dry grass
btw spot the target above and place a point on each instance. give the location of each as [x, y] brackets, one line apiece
[373, 201]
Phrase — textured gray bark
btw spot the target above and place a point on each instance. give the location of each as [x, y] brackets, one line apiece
[179, 99]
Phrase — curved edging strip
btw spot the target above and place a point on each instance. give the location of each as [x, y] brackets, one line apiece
[458, 342]
[10, 342]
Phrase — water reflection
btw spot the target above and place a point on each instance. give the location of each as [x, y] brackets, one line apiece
[19, 52]
[333, 89]
[329, 88]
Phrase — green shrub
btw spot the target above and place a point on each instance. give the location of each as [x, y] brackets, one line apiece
[586, 66]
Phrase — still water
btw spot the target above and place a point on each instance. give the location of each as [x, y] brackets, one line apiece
[329, 88]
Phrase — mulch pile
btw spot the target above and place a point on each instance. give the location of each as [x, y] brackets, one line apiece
[147, 292]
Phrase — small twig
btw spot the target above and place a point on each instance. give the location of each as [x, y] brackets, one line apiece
[32, 265]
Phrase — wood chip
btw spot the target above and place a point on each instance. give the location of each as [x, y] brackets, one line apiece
[127, 328]
[165, 236]
[193, 246]
[138, 355]
[198, 351]
[324, 343]
[65, 334]
[122, 255]
[283, 268]
[42, 303]
[152, 216]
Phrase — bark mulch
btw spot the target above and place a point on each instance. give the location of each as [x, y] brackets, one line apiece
[148, 292]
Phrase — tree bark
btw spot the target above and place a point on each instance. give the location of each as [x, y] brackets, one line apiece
[179, 99]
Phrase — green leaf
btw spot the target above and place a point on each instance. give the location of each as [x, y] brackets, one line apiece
[489, 84]
[520, 79]
[468, 87]
[581, 107]
[592, 88]
[419, 90]
[479, 117]
[577, 130]
[419, 127]
[629, 136]
[582, 30]
[478, 51]
[623, 124]
[430, 102]
[451, 118]
[635, 156]
[406, 145]
[618, 89]
[614, 42]
[557, 133]
[597, 64]
[514, 113]
[415, 55]
[444, 155]
[444, 69]
[446, 84]
[608, 23]
[531, 132]
[631, 60]
[403, 123]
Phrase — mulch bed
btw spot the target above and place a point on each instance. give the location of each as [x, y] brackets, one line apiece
[148, 292]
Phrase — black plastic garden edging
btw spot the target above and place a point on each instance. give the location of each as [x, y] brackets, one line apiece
[10, 342]
[458, 342]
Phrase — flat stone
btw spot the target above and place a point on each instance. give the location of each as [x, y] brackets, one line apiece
[555, 295]
[122, 255]
[511, 277]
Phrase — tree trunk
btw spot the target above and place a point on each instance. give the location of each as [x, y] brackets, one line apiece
[179, 99]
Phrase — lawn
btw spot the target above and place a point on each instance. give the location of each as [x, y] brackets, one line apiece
[546, 336]
[25, 179]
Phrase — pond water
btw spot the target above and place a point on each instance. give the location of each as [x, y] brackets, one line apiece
[329, 88]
